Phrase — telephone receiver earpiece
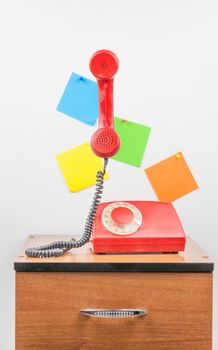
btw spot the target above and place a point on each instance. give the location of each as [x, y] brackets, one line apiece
[105, 142]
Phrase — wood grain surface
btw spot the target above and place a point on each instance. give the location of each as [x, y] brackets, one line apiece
[48, 311]
[192, 254]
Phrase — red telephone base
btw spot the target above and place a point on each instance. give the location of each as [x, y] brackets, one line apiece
[160, 231]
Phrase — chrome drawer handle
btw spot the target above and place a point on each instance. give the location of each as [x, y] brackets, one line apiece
[114, 313]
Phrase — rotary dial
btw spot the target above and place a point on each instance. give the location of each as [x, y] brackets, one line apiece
[121, 218]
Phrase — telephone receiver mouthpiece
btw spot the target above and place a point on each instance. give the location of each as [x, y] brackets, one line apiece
[105, 142]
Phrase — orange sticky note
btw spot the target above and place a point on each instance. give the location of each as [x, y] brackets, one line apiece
[171, 178]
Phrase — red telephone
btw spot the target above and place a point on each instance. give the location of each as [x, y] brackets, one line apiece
[118, 227]
[135, 226]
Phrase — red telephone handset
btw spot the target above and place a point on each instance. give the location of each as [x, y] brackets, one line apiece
[105, 142]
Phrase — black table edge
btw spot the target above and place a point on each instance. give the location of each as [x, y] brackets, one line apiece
[113, 267]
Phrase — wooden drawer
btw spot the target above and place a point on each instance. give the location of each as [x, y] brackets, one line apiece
[48, 311]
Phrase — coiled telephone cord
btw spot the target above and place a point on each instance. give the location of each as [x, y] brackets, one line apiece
[60, 247]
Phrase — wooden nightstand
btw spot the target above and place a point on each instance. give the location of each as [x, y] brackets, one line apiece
[175, 289]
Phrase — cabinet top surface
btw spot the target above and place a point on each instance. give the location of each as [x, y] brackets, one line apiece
[193, 259]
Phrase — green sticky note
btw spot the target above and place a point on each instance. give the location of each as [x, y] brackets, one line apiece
[134, 138]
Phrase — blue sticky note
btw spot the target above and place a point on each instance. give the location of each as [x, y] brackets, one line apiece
[80, 99]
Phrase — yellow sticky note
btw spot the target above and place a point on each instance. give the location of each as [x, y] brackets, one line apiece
[79, 167]
[171, 178]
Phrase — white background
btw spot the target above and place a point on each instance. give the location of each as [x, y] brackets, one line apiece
[167, 79]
